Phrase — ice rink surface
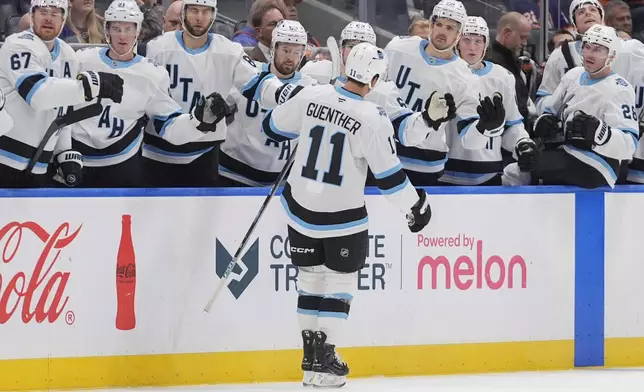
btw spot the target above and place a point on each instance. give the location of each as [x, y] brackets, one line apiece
[591, 380]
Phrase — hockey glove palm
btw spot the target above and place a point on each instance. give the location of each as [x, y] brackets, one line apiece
[585, 132]
[420, 213]
[69, 168]
[547, 127]
[102, 85]
[491, 116]
[209, 111]
[527, 155]
[439, 110]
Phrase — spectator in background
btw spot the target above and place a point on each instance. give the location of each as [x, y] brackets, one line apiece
[291, 14]
[512, 34]
[419, 28]
[618, 15]
[247, 35]
[85, 24]
[265, 19]
[172, 18]
[559, 38]
[152, 19]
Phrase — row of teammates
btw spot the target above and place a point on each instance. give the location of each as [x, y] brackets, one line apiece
[454, 115]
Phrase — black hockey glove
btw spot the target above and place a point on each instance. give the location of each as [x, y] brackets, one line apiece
[69, 168]
[547, 127]
[209, 111]
[102, 85]
[420, 213]
[585, 132]
[439, 110]
[527, 155]
[491, 116]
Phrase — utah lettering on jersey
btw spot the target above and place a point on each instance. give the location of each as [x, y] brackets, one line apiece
[182, 86]
[117, 125]
[402, 81]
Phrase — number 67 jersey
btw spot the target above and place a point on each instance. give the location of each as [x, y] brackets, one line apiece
[341, 136]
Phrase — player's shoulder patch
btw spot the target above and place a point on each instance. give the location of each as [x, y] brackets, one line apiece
[382, 111]
[621, 82]
[26, 35]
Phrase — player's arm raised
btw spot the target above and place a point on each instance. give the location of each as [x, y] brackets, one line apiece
[477, 121]
[284, 122]
[177, 127]
[259, 86]
[21, 66]
[379, 149]
[615, 135]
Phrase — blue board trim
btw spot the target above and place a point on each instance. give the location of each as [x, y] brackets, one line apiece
[589, 279]
[201, 192]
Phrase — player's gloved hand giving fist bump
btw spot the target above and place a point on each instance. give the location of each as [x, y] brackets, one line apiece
[102, 85]
[420, 214]
[585, 131]
[439, 109]
[491, 116]
[209, 111]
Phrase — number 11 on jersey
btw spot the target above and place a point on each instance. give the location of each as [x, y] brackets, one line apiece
[332, 176]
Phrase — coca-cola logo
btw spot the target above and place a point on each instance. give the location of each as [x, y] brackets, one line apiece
[40, 293]
[126, 271]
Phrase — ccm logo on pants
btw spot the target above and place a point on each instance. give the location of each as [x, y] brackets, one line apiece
[302, 250]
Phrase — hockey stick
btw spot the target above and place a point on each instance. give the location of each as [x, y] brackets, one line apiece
[61, 122]
[336, 59]
[224, 277]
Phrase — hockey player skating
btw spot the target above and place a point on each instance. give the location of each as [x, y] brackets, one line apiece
[37, 72]
[110, 143]
[424, 70]
[410, 128]
[248, 157]
[594, 109]
[199, 63]
[485, 166]
[341, 136]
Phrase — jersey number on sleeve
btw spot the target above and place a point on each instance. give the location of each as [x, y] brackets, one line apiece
[629, 112]
[16, 63]
[333, 175]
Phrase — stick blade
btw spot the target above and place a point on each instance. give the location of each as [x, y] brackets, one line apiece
[336, 59]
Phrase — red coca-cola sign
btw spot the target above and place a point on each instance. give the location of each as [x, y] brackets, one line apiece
[38, 293]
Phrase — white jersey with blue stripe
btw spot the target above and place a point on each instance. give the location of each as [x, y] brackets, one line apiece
[116, 134]
[417, 75]
[218, 66]
[248, 155]
[39, 85]
[610, 99]
[341, 136]
[475, 167]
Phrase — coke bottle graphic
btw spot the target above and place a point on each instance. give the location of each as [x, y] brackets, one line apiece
[125, 278]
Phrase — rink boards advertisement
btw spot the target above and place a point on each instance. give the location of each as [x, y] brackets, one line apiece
[107, 288]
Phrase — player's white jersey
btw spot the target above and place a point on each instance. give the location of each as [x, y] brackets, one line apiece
[342, 136]
[409, 127]
[38, 85]
[321, 70]
[417, 75]
[247, 155]
[216, 67]
[116, 134]
[610, 99]
[628, 62]
[475, 167]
